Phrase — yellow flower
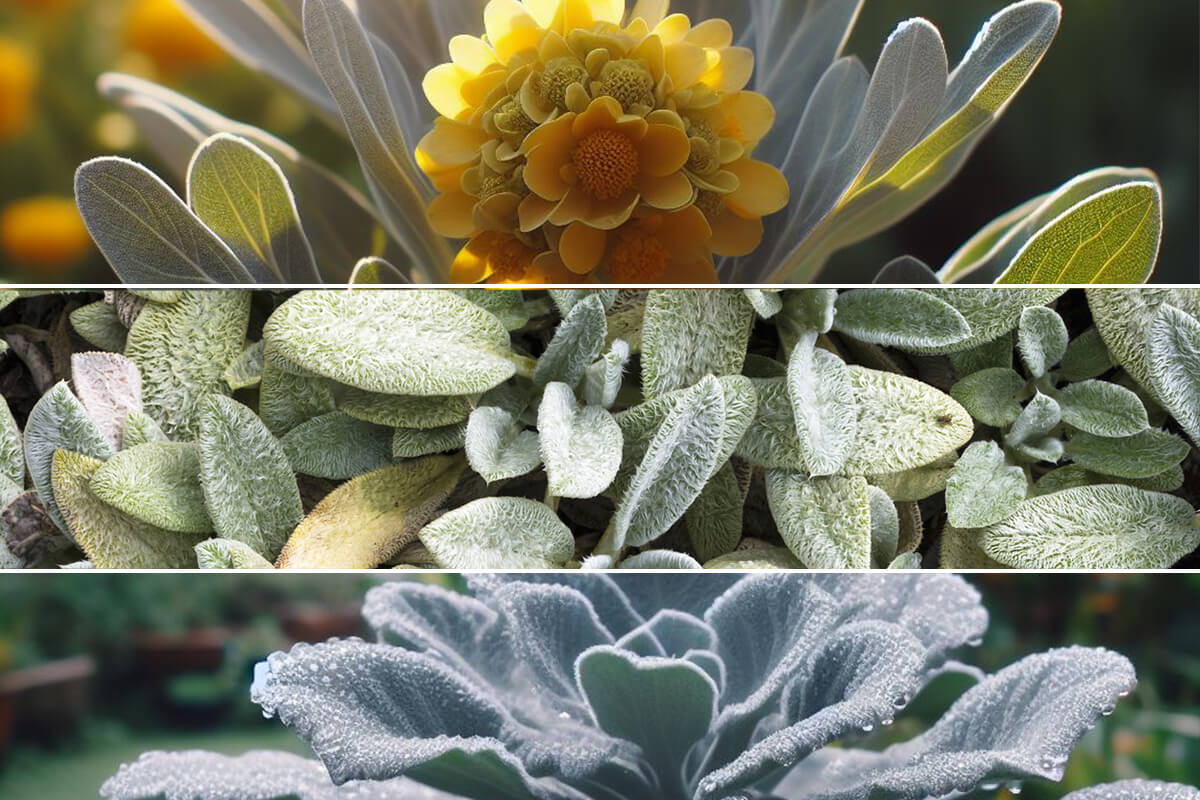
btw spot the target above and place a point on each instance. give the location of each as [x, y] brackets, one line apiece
[503, 258]
[164, 33]
[570, 120]
[18, 79]
[44, 232]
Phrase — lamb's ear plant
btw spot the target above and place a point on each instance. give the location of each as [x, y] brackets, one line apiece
[700, 688]
[747, 149]
[870, 428]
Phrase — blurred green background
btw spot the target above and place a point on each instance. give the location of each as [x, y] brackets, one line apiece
[113, 665]
[1119, 87]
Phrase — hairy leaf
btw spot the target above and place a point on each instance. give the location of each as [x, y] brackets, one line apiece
[337, 446]
[1042, 339]
[1102, 409]
[688, 334]
[581, 448]
[157, 482]
[397, 411]
[578, 342]
[714, 521]
[870, 315]
[99, 325]
[826, 522]
[1125, 318]
[823, 402]
[982, 488]
[229, 554]
[1174, 360]
[991, 395]
[12, 451]
[1142, 455]
[110, 387]
[247, 370]
[602, 381]
[499, 533]
[497, 447]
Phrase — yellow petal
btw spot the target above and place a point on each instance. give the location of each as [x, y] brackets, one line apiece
[733, 71]
[672, 29]
[688, 226]
[452, 215]
[549, 268]
[663, 150]
[443, 88]
[602, 113]
[763, 189]
[470, 265]
[686, 64]
[666, 193]
[471, 53]
[693, 270]
[652, 11]
[510, 28]
[450, 144]
[715, 33]
[582, 248]
[534, 212]
[735, 236]
[548, 149]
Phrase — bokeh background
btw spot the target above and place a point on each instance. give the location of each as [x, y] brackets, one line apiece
[1120, 86]
[95, 669]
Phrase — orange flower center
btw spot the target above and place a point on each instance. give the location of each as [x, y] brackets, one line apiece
[509, 261]
[607, 164]
[638, 258]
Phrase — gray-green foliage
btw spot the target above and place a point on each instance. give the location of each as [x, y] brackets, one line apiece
[799, 436]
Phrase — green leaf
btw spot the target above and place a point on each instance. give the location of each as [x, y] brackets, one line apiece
[1040, 416]
[182, 351]
[246, 372]
[110, 388]
[905, 318]
[995, 354]
[1139, 456]
[337, 446]
[602, 382]
[688, 334]
[98, 324]
[1095, 528]
[140, 429]
[660, 560]
[1042, 339]
[420, 342]
[581, 448]
[823, 403]
[1125, 318]
[714, 521]
[1086, 357]
[908, 561]
[508, 305]
[826, 522]
[918, 483]
[565, 300]
[12, 452]
[982, 488]
[229, 554]
[1112, 237]
[147, 234]
[757, 558]
[366, 521]
[991, 395]
[157, 482]
[1102, 409]
[805, 311]
[498, 447]
[286, 400]
[961, 550]
[1044, 448]
[767, 302]
[499, 533]
[110, 538]
[1174, 361]
[885, 527]
[414, 443]
[990, 312]
[398, 411]
[58, 421]
[249, 488]
[243, 197]
[578, 342]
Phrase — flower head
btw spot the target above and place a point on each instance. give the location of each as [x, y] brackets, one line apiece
[44, 232]
[18, 78]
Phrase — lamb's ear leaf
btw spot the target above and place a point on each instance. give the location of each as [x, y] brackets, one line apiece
[577, 343]
[990, 312]
[679, 460]
[158, 483]
[1125, 318]
[286, 400]
[856, 679]
[869, 315]
[246, 371]
[662, 705]
[1040, 416]
[1136, 789]
[110, 387]
[182, 350]
[1039, 707]
[420, 343]
[98, 324]
[1174, 360]
[805, 311]
[1142, 455]
[507, 305]
[823, 403]
[337, 446]
[441, 729]
[826, 522]
[249, 488]
[692, 333]
[366, 521]
[1042, 339]
[714, 521]
[581, 448]
[243, 197]
[1103, 409]
[902, 423]
[417, 442]
[885, 527]
[660, 559]
[211, 776]
[146, 233]
[229, 554]
[58, 421]
[757, 558]
[991, 395]
[565, 300]
[959, 549]
[499, 533]
[603, 379]
[1111, 237]
[907, 269]
[497, 447]
[1095, 528]
[982, 488]
[398, 411]
[110, 538]
[767, 302]
[12, 451]
[1086, 357]
[907, 561]
[996, 354]
[140, 429]
[918, 483]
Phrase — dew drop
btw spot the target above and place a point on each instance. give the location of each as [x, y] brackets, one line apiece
[868, 728]
[1014, 787]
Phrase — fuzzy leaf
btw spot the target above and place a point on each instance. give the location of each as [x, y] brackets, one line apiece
[110, 387]
[182, 350]
[805, 311]
[1142, 455]
[870, 315]
[602, 381]
[243, 197]
[247, 370]
[418, 342]
[337, 446]
[497, 447]
[98, 324]
[991, 312]
[991, 395]
[397, 411]
[826, 522]
[767, 302]
[581, 448]
[1102, 409]
[918, 483]
[1040, 416]
[1042, 339]
[688, 334]
[982, 488]
[566, 299]
[159, 483]
[508, 305]
[140, 429]
[1125, 318]
[1086, 357]
[714, 521]
[823, 403]
[1095, 528]
[414, 443]
[58, 421]
[368, 520]
[1136, 790]
[757, 558]
[660, 560]
[1174, 361]
[229, 554]
[12, 452]
[249, 488]
[110, 538]
[499, 533]
[578, 342]
[285, 400]
[885, 527]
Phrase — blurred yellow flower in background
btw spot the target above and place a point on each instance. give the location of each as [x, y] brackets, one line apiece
[44, 233]
[161, 31]
[18, 80]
